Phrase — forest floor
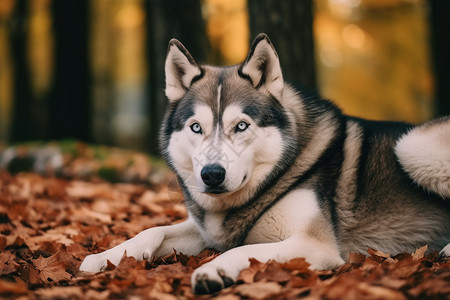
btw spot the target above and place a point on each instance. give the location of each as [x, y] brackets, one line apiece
[49, 223]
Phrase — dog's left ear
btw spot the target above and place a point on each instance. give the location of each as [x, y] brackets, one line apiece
[263, 66]
[180, 70]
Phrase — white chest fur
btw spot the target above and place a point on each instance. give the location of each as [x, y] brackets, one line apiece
[294, 213]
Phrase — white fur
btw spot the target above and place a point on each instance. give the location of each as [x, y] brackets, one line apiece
[291, 215]
[424, 153]
[219, 95]
[445, 251]
[283, 233]
[148, 244]
[175, 86]
[242, 154]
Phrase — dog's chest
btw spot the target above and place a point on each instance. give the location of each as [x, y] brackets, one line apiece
[293, 213]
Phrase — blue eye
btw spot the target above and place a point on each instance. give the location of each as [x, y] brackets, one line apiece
[196, 128]
[241, 126]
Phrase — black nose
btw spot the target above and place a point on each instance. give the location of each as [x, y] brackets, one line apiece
[213, 175]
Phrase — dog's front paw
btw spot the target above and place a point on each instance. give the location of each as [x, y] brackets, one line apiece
[211, 278]
[98, 262]
[94, 263]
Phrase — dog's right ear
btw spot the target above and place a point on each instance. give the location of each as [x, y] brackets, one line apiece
[180, 70]
[262, 66]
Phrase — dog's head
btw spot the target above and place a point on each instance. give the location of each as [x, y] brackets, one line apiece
[223, 132]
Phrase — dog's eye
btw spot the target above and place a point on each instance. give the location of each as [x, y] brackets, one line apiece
[241, 126]
[196, 128]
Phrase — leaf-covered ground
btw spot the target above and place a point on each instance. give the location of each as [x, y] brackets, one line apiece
[48, 225]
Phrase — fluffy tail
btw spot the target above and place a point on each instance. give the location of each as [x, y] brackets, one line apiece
[424, 153]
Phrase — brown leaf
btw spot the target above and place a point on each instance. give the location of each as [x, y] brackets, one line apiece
[3, 242]
[356, 258]
[59, 292]
[420, 252]
[273, 271]
[378, 292]
[299, 264]
[259, 290]
[51, 268]
[378, 256]
[247, 275]
[7, 263]
[405, 268]
[12, 288]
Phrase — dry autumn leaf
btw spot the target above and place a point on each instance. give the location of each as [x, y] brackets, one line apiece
[48, 225]
[52, 268]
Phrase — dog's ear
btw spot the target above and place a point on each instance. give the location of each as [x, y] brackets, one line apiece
[180, 70]
[262, 66]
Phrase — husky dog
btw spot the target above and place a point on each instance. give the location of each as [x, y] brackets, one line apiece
[269, 173]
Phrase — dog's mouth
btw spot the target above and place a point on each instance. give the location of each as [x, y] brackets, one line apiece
[216, 191]
[222, 190]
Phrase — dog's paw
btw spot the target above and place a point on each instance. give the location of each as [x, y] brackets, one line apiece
[94, 263]
[209, 279]
[445, 252]
[99, 262]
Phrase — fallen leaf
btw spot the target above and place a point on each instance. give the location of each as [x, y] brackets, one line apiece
[248, 274]
[420, 252]
[7, 263]
[51, 268]
[259, 290]
[356, 258]
[378, 255]
[12, 288]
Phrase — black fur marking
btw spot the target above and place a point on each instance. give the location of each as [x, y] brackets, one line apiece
[180, 112]
[179, 45]
[371, 131]
[169, 121]
[330, 168]
[244, 76]
[268, 115]
[198, 77]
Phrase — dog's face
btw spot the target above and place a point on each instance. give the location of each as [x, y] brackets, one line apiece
[223, 131]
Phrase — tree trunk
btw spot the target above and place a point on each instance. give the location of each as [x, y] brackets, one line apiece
[22, 121]
[168, 19]
[440, 42]
[70, 96]
[289, 24]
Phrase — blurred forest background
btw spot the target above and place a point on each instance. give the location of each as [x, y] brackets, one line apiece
[92, 70]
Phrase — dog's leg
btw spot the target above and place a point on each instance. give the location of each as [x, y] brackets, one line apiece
[224, 270]
[148, 244]
[424, 153]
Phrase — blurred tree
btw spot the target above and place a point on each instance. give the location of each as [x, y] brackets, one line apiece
[23, 127]
[70, 96]
[289, 24]
[440, 25]
[168, 19]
